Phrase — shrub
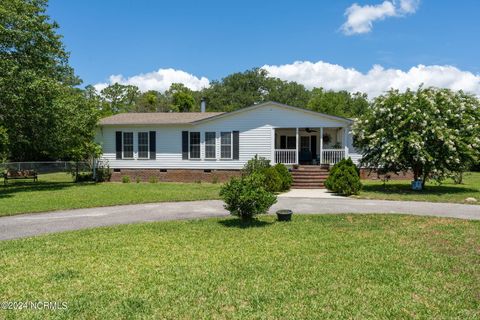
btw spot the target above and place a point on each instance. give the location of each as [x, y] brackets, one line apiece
[285, 176]
[246, 196]
[256, 164]
[84, 177]
[138, 179]
[103, 173]
[272, 179]
[125, 179]
[152, 179]
[344, 178]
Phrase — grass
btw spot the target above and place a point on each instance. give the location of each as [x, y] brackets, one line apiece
[57, 191]
[317, 266]
[446, 192]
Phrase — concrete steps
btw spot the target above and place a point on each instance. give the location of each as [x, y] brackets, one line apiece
[309, 177]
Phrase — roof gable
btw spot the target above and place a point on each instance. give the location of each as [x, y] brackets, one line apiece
[277, 104]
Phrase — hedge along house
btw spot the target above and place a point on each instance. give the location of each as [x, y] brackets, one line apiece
[210, 146]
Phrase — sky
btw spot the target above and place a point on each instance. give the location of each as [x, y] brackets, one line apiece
[368, 46]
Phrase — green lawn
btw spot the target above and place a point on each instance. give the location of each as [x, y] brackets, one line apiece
[325, 266]
[446, 192]
[57, 191]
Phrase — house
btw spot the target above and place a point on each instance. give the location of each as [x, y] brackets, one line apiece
[210, 146]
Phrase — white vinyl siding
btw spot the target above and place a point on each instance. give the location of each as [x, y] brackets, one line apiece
[226, 145]
[127, 145]
[143, 145]
[210, 145]
[194, 145]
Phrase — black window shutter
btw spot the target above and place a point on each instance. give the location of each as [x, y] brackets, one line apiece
[185, 145]
[118, 144]
[153, 145]
[236, 145]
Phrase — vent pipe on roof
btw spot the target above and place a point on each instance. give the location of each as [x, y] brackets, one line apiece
[203, 105]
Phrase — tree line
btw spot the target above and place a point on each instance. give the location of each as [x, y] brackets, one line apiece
[235, 91]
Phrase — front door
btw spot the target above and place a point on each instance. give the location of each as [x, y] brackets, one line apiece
[305, 156]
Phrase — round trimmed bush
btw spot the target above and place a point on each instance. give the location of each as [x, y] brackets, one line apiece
[285, 176]
[344, 178]
[273, 180]
[246, 196]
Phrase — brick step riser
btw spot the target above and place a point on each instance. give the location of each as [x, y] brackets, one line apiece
[307, 183]
[312, 176]
[313, 173]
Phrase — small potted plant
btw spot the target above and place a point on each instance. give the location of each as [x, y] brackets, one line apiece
[284, 215]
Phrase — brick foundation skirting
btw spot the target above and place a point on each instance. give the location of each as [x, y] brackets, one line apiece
[174, 175]
[372, 174]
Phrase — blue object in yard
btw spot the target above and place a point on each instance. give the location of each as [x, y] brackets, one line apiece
[417, 185]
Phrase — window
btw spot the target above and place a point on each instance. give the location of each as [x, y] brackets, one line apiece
[226, 145]
[194, 145]
[143, 145]
[288, 142]
[291, 142]
[305, 143]
[210, 152]
[127, 147]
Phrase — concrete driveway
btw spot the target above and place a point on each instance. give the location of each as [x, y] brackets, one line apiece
[27, 225]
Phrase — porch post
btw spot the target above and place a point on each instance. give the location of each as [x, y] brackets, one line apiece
[272, 154]
[345, 141]
[321, 145]
[296, 146]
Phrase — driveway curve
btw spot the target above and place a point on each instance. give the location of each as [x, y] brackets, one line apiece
[26, 225]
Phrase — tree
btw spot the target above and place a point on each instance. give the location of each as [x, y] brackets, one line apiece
[119, 98]
[3, 144]
[237, 90]
[180, 98]
[34, 74]
[341, 103]
[148, 101]
[434, 132]
[183, 101]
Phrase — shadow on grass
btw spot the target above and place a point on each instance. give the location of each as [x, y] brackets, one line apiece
[244, 224]
[14, 187]
[398, 188]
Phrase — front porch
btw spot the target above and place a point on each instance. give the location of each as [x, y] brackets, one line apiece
[310, 146]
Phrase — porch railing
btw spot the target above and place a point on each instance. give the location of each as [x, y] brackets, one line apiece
[286, 156]
[332, 156]
[329, 156]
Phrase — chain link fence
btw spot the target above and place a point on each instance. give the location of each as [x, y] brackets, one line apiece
[48, 166]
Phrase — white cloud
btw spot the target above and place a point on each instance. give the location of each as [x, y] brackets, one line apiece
[158, 80]
[360, 18]
[377, 80]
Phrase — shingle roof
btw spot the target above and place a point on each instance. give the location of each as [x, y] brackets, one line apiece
[158, 118]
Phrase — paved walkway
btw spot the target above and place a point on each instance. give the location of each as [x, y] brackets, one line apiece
[27, 225]
[310, 193]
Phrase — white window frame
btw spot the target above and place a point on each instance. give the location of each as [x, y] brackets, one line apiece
[199, 145]
[148, 145]
[123, 145]
[231, 145]
[214, 145]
